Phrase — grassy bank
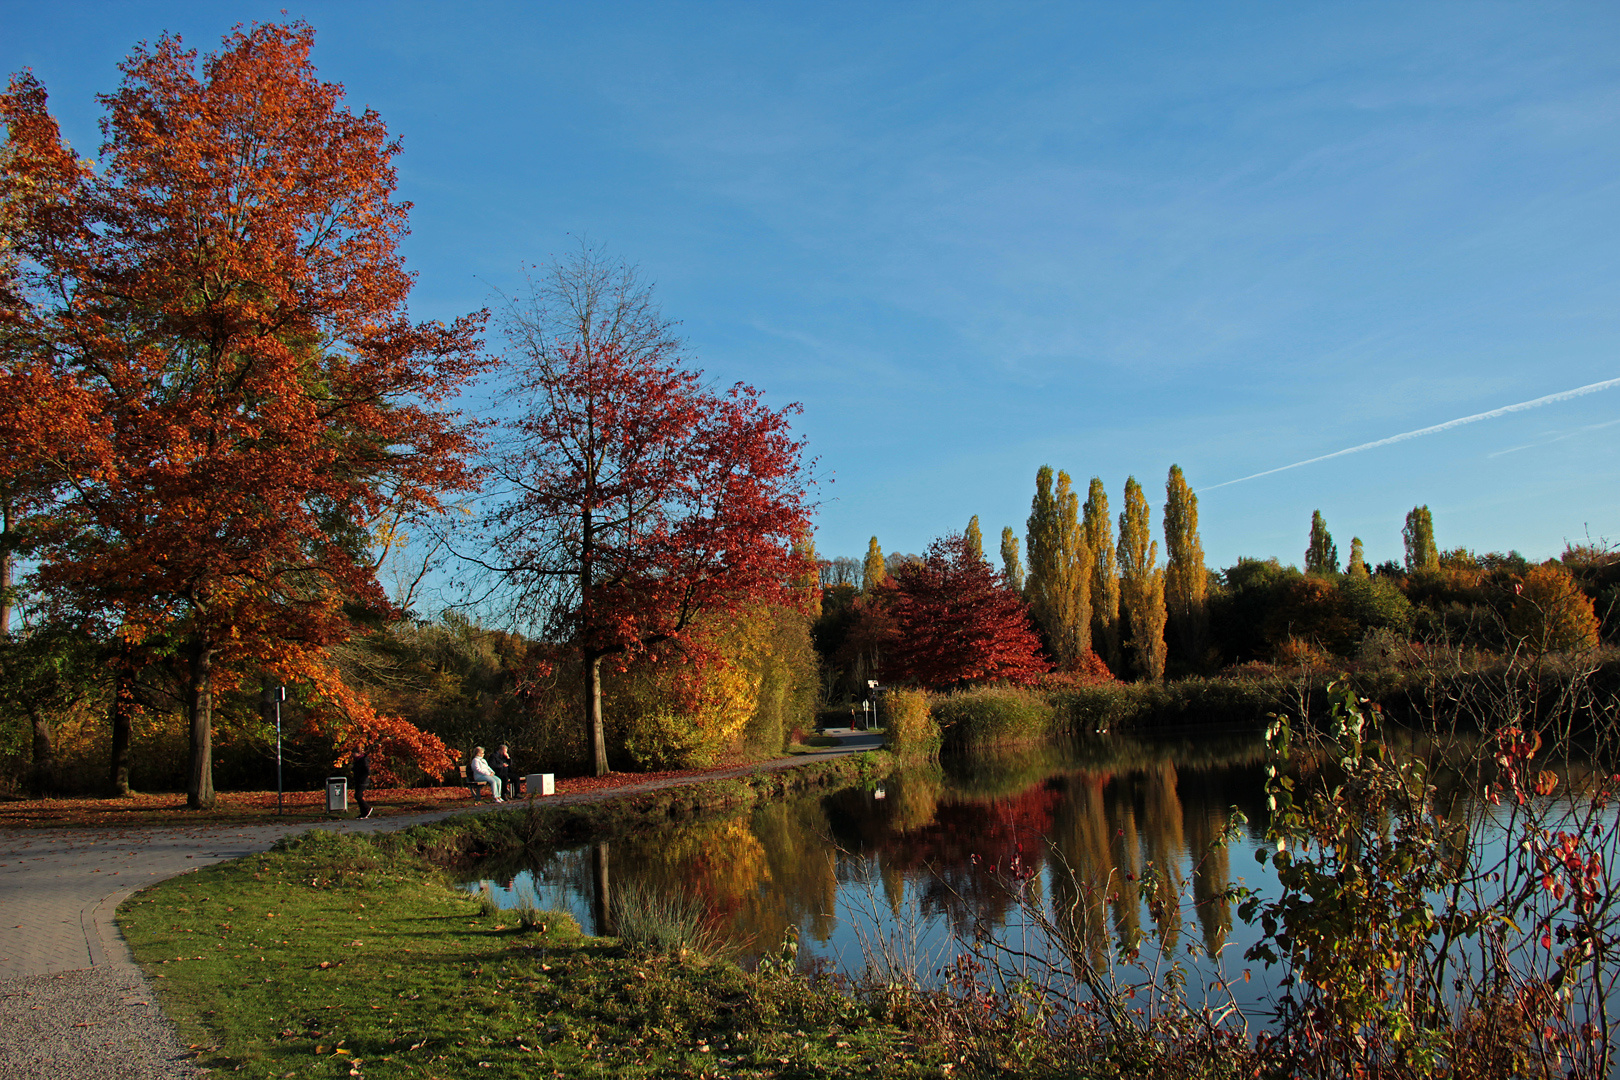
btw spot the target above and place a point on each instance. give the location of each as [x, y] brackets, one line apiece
[922, 725]
[1448, 691]
[334, 956]
[345, 954]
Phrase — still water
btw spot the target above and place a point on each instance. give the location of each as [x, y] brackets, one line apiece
[1126, 836]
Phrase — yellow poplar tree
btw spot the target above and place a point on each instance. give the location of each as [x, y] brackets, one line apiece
[1059, 582]
[1322, 557]
[1185, 579]
[1012, 567]
[1421, 553]
[873, 572]
[975, 539]
[1357, 566]
[1099, 534]
[1041, 543]
[1141, 585]
[1071, 585]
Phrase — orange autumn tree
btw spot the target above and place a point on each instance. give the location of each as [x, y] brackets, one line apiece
[225, 289]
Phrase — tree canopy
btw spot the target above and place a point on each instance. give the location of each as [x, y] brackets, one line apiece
[1185, 579]
[221, 307]
[1418, 535]
[953, 622]
[1322, 555]
[635, 498]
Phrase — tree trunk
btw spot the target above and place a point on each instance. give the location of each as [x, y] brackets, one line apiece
[602, 896]
[7, 543]
[593, 659]
[199, 711]
[593, 714]
[123, 709]
[42, 777]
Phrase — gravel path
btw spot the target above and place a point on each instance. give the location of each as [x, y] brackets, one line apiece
[99, 1023]
[72, 1001]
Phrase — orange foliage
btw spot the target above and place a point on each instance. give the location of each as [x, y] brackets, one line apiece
[1551, 613]
[1313, 610]
[241, 395]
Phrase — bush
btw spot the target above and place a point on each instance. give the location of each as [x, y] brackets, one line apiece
[913, 733]
[1552, 614]
[1376, 604]
[993, 715]
[659, 739]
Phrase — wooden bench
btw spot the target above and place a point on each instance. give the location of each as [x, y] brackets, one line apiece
[515, 788]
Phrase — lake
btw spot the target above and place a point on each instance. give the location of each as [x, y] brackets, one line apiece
[1117, 842]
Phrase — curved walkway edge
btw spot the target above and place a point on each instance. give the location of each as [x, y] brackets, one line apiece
[70, 991]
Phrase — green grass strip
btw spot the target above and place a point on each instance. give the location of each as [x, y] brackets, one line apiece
[338, 956]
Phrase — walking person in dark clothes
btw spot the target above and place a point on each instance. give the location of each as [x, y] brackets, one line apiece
[361, 767]
[501, 762]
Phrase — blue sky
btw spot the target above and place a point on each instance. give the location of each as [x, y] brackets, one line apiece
[975, 239]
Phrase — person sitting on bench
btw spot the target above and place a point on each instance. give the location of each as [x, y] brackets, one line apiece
[479, 772]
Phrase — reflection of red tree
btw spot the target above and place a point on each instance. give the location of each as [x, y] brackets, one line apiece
[994, 831]
[969, 844]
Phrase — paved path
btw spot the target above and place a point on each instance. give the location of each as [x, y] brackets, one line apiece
[69, 988]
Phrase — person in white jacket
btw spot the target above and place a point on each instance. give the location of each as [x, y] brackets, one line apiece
[480, 771]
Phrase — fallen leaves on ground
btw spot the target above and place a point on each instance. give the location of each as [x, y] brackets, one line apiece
[259, 807]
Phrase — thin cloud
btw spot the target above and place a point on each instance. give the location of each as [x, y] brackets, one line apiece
[1536, 403]
[1558, 437]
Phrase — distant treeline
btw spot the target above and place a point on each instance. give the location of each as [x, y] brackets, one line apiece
[1106, 609]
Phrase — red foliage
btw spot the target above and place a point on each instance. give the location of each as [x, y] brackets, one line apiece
[642, 499]
[952, 621]
[1088, 670]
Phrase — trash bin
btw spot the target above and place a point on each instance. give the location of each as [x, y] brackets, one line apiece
[537, 783]
[337, 794]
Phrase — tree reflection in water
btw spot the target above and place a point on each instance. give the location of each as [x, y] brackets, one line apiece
[933, 852]
[1118, 843]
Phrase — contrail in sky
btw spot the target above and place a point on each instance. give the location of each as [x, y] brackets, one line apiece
[1579, 391]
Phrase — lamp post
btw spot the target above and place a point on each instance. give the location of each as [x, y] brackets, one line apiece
[872, 685]
[278, 694]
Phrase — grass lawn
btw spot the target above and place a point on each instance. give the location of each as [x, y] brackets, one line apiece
[337, 956]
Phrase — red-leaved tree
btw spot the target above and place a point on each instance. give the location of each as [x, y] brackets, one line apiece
[226, 293]
[636, 497]
[952, 621]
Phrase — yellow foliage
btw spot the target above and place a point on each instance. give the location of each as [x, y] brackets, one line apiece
[687, 703]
